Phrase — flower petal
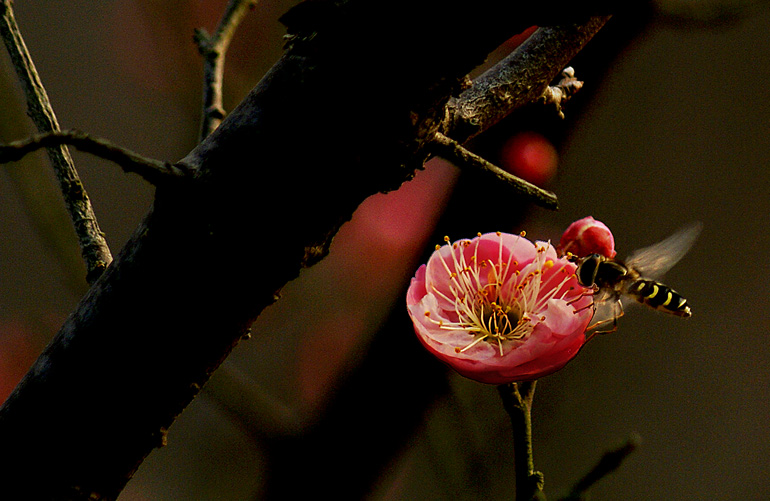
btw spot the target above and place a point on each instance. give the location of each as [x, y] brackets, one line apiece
[498, 308]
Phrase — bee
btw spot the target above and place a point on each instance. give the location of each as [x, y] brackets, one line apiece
[636, 277]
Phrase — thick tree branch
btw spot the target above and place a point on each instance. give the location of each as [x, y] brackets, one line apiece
[93, 246]
[348, 111]
[154, 171]
[510, 83]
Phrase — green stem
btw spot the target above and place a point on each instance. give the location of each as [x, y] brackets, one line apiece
[517, 401]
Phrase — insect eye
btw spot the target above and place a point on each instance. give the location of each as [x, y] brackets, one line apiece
[586, 270]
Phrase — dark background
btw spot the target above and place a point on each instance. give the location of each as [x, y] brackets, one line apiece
[671, 126]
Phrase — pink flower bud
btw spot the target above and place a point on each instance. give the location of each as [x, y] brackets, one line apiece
[585, 237]
[498, 308]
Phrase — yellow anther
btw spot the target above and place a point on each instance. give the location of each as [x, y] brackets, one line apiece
[548, 264]
[523, 233]
[427, 313]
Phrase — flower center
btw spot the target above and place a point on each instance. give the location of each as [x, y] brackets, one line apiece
[499, 320]
[496, 300]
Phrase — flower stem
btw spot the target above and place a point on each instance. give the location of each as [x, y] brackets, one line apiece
[517, 401]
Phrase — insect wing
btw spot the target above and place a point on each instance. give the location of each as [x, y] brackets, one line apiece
[607, 310]
[655, 260]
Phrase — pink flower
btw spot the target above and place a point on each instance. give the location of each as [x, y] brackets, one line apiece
[585, 237]
[498, 308]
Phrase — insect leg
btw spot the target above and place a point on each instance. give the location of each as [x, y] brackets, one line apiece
[605, 317]
[591, 293]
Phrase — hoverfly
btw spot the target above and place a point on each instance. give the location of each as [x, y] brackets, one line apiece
[636, 277]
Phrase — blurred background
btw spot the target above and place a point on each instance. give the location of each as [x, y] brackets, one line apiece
[333, 393]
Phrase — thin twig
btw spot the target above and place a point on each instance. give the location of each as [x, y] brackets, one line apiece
[154, 171]
[213, 49]
[517, 401]
[93, 246]
[610, 461]
[453, 151]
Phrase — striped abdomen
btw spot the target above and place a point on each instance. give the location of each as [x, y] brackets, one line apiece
[659, 296]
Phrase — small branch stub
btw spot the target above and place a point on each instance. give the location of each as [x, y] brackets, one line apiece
[557, 95]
